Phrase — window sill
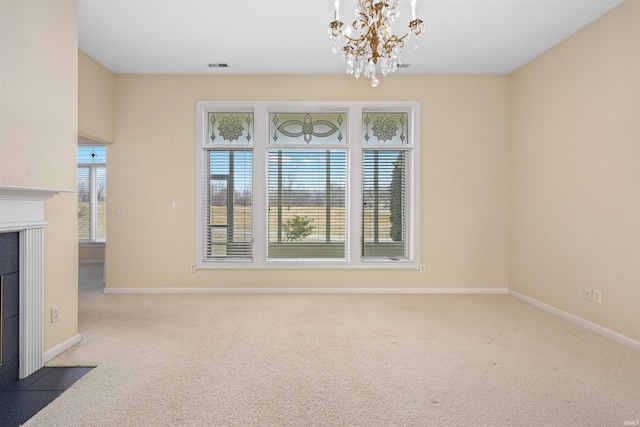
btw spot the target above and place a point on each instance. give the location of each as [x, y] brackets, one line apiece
[305, 265]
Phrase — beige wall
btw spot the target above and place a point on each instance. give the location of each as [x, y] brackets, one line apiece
[575, 173]
[38, 128]
[96, 90]
[463, 189]
[91, 253]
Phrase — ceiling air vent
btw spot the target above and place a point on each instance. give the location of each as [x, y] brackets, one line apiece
[218, 65]
[403, 66]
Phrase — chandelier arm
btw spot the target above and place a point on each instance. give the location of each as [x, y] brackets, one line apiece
[370, 34]
[356, 40]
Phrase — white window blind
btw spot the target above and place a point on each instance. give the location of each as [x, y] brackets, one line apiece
[307, 204]
[384, 204]
[229, 231]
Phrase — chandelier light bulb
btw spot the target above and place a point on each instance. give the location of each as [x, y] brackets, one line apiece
[369, 41]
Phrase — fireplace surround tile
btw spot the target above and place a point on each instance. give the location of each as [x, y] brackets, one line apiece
[10, 250]
[11, 295]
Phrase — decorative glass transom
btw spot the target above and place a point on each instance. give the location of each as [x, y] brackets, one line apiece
[385, 128]
[307, 128]
[230, 128]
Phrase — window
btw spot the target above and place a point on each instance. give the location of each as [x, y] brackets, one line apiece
[92, 187]
[307, 185]
[385, 186]
[228, 192]
[307, 172]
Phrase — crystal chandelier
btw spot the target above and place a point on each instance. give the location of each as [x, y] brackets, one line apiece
[368, 42]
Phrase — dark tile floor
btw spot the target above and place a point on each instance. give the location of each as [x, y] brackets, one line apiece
[23, 399]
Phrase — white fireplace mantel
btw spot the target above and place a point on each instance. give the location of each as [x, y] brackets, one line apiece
[23, 207]
[22, 211]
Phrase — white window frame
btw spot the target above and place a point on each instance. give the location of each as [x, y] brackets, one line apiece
[354, 146]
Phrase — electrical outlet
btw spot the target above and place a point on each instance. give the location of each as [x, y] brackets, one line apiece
[55, 314]
[193, 268]
[597, 296]
[588, 293]
[422, 268]
[119, 213]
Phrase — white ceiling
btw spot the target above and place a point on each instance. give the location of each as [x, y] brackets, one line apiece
[291, 36]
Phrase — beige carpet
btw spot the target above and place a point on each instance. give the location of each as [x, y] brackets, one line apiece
[339, 360]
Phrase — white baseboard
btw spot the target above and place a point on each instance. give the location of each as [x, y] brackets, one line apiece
[607, 333]
[305, 291]
[62, 347]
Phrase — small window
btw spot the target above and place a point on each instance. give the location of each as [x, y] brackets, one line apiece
[92, 193]
[386, 172]
[228, 192]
